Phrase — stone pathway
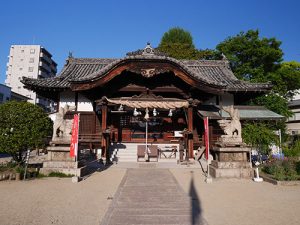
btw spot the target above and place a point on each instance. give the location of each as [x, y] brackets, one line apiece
[153, 196]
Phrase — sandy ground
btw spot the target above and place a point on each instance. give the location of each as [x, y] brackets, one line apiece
[58, 200]
[242, 202]
[227, 202]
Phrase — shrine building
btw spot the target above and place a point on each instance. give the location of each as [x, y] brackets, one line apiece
[118, 96]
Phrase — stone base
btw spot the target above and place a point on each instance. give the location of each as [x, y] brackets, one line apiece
[230, 165]
[59, 166]
[230, 172]
[59, 153]
[230, 141]
[231, 162]
[63, 167]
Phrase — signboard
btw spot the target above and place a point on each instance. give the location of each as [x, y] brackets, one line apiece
[74, 138]
[206, 136]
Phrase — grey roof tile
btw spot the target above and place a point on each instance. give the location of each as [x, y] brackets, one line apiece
[210, 72]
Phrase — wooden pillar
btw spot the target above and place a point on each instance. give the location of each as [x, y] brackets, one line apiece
[103, 126]
[190, 136]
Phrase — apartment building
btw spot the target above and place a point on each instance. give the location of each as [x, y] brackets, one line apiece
[32, 61]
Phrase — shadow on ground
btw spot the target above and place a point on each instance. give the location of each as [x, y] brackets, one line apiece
[95, 166]
[196, 210]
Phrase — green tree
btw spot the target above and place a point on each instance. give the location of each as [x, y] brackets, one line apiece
[22, 126]
[178, 43]
[252, 57]
[259, 135]
[286, 79]
[259, 59]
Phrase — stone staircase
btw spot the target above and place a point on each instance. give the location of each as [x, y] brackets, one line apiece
[123, 152]
[127, 152]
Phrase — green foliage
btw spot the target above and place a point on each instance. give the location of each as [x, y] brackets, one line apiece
[283, 169]
[252, 57]
[259, 135]
[177, 35]
[286, 79]
[259, 59]
[209, 54]
[178, 43]
[274, 102]
[22, 126]
[59, 174]
[293, 151]
[179, 51]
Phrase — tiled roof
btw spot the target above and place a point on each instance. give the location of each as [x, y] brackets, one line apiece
[246, 112]
[210, 72]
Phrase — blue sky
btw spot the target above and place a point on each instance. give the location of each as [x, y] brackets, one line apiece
[109, 29]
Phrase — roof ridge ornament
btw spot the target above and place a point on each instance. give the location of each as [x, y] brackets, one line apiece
[148, 50]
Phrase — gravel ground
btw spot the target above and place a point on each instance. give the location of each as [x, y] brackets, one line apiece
[227, 201]
[242, 202]
[58, 200]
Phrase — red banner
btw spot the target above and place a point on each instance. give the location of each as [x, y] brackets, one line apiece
[74, 138]
[206, 136]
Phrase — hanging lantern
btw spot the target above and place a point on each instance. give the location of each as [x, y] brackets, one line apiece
[147, 114]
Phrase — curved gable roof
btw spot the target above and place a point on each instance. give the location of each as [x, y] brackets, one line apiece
[215, 73]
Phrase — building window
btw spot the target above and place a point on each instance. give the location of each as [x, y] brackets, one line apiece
[22, 50]
[32, 51]
[19, 87]
[20, 68]
[30, 69]
[21, 60]
[31, 60]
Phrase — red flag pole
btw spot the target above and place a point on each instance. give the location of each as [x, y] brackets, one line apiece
[74, 138]
[206, 137]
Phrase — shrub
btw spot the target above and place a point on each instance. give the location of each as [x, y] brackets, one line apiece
[283, 169]
[293, 151]
[23, 126]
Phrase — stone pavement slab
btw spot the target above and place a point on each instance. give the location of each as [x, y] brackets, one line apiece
[152, 196]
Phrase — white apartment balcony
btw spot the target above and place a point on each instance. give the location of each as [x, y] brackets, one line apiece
[46, 57]
[43, 74]
[45, 66]
[53, 68]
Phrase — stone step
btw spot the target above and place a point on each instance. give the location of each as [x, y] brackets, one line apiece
[151, 219]
[127, 154]
[151, 211]
[154, 204]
